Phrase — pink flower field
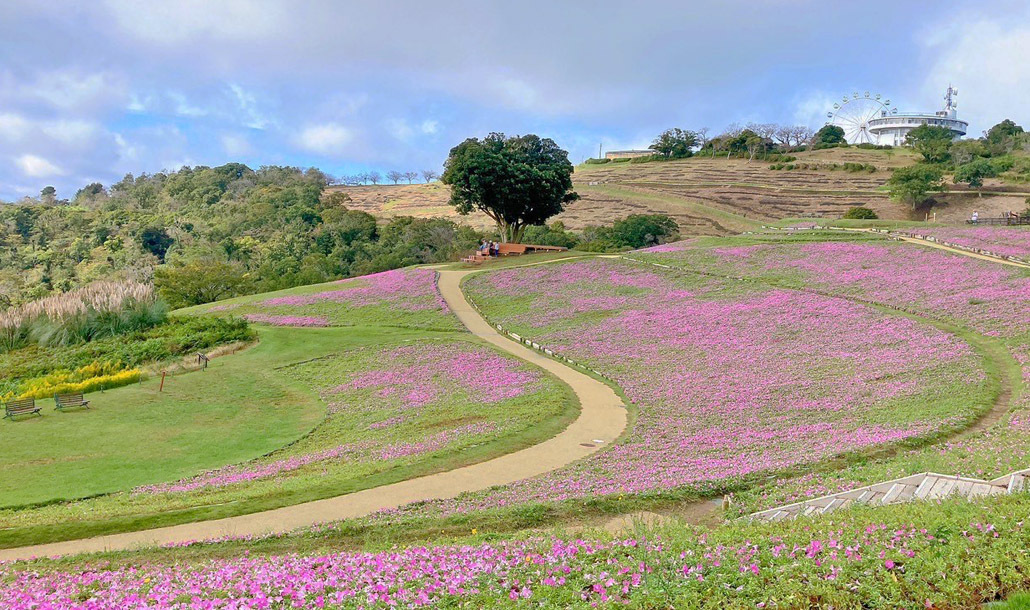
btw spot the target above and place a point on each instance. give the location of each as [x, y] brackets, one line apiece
[402, 297]
[1004, 241]
[399, 403]
[990, 298]
[855, 563]
[729, 379]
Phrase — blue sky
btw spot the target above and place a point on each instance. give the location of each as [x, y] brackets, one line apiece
[91, 91]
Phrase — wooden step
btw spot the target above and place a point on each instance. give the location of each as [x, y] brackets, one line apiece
[834, 505]
[924, 487]
[891, 494]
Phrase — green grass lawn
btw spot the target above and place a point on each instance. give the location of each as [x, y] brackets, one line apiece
[70, 475]
[238, 409]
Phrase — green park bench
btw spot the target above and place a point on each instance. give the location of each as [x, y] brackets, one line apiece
[69, 401]
[22, 406]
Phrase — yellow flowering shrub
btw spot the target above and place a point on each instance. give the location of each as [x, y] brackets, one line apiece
[89, 378]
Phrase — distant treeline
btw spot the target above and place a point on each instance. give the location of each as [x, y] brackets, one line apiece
[205, 233]
[240, 230]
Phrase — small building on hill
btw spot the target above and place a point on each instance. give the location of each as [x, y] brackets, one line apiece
[627, 154]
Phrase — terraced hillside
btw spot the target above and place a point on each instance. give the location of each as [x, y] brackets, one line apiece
[718, 196]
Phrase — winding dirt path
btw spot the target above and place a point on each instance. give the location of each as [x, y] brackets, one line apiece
[931, 244]
[983, 257]
[602, 418]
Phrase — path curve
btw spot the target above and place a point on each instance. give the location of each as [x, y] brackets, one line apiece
[602, 419]
[976, 255]
[940, 246]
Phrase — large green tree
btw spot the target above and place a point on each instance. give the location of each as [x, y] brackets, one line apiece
[829, 134]
[931, 141]
[199, 282]
[675, 143]
[974, 172]
[517, 181]
[914, 184]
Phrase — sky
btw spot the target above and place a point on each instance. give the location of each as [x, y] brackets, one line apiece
[90, 91]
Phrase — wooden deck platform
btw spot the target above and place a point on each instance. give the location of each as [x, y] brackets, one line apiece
[510, 250]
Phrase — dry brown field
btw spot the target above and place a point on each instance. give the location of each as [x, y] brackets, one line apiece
[717, 196]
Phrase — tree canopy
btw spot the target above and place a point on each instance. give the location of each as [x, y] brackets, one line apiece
[675, 143]
[278, 226]
[914, 184]
[517, 181]
[931, 141]
[974, 172]
[830, 134]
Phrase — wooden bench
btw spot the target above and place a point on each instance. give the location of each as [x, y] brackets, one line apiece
[511, 249]
[22, 406]
[68, 401]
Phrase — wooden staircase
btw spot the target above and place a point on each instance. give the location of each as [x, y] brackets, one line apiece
[924, 486]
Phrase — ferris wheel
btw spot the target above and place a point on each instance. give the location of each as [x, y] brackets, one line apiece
[853, 113]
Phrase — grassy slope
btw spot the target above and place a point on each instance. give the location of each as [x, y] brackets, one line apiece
[948, 519]
[136, 435]
[239, 409]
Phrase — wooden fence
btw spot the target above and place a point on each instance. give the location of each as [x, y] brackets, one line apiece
[1003, 220]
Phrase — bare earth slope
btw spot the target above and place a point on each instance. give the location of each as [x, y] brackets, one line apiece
[716, 196]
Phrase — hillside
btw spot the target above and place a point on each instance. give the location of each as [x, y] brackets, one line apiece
[718, 196]
[754, 370]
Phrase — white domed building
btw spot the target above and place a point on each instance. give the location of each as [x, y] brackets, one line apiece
[869, 120]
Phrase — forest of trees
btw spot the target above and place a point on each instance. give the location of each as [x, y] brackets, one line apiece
[1000, 152]
[207, 233]
[230, 228]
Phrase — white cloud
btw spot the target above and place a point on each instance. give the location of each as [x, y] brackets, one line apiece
[71, 132]
[126, 150]
[183, 107]
[12, 126]
[72, 90]
[247, 103]
[514, 92]
[138, 103]
[236, 145]
[399, 129]
[37, 167]
[184, 20]
[430, 127]
[326, 139]
[811, 108]
[983, 58]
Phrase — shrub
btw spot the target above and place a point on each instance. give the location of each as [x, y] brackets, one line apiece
[621, 160]
[859, 212]
[173, 339]
[642, 230]
[1003, 163]
[646, 159]
[553, 234]
[92, 377]
[593, 161]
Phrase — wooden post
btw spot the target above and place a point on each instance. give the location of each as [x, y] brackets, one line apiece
[161, 388]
